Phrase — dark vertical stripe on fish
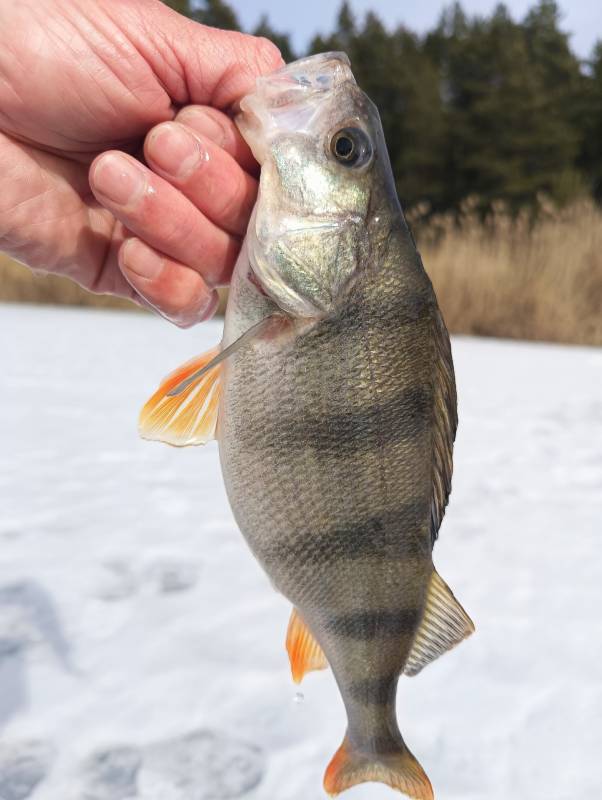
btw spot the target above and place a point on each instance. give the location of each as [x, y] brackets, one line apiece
[398, 534]
[400, 417]
[381, 623]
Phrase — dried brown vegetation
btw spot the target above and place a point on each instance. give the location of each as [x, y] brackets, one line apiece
[507, 277]
[518, 278]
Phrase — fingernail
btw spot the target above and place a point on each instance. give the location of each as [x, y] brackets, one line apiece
[204, 123]
[204, 310]
[119, 179]
[175, 150]
[139, 258]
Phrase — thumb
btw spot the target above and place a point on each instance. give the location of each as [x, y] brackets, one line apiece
[203, 65]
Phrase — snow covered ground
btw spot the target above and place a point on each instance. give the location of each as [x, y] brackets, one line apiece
[141, 648]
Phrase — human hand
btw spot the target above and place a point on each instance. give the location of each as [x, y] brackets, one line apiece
[79, 79]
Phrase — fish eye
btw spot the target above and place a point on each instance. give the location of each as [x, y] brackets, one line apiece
[351, 147]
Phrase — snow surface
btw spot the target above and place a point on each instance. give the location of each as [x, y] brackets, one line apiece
[141, 647]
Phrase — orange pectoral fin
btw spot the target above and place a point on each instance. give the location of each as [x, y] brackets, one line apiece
[183, 410]
[304, 653]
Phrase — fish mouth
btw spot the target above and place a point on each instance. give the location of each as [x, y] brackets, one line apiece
[288, 99]
[319, 73]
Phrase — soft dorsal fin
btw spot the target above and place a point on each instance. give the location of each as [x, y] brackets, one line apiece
[304, 653]
[444, 625]
[183, 410]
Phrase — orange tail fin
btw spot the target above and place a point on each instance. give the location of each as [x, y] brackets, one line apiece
[399, 770]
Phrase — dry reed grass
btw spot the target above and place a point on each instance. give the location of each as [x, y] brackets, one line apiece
[518, 278]
[507, 278]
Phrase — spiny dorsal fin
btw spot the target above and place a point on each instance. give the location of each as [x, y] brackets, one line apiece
[183, 411]
[304, 653]
[444, 625]
[446, 422]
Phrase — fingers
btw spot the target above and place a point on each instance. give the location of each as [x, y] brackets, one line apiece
[188, 216]
[162, 216]
[178, 292]
[218, 127]
[204, 173]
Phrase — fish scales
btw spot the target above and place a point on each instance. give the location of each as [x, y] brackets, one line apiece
[337, 437]
[337, 409]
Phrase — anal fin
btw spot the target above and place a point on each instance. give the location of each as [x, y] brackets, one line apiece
[183, 411]
[304, 652]
[444, 625]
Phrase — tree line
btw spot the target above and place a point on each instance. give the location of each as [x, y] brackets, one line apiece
[481, 107]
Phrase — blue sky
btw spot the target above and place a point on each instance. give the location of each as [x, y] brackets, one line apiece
[582, 18]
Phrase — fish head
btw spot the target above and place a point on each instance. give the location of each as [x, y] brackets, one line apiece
[324, 164]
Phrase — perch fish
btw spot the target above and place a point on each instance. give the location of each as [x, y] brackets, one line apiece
[333, 400]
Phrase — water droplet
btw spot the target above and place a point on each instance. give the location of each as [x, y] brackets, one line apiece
[298, 698]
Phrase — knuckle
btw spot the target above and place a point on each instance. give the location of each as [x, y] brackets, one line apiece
[258, 54]
[182, 235]
[171, 227]
[266, 54]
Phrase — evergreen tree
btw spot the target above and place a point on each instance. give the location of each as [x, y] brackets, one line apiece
[558, 69]
[403, 82]
[510, 134]
[216, 13]
[343, 38]
[419, 140]
[346, 30]
[481, 106]
[181, 6]
[590, 157]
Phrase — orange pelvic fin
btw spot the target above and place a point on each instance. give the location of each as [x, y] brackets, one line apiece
[183, 410]
[304, 653]
[399, 770]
